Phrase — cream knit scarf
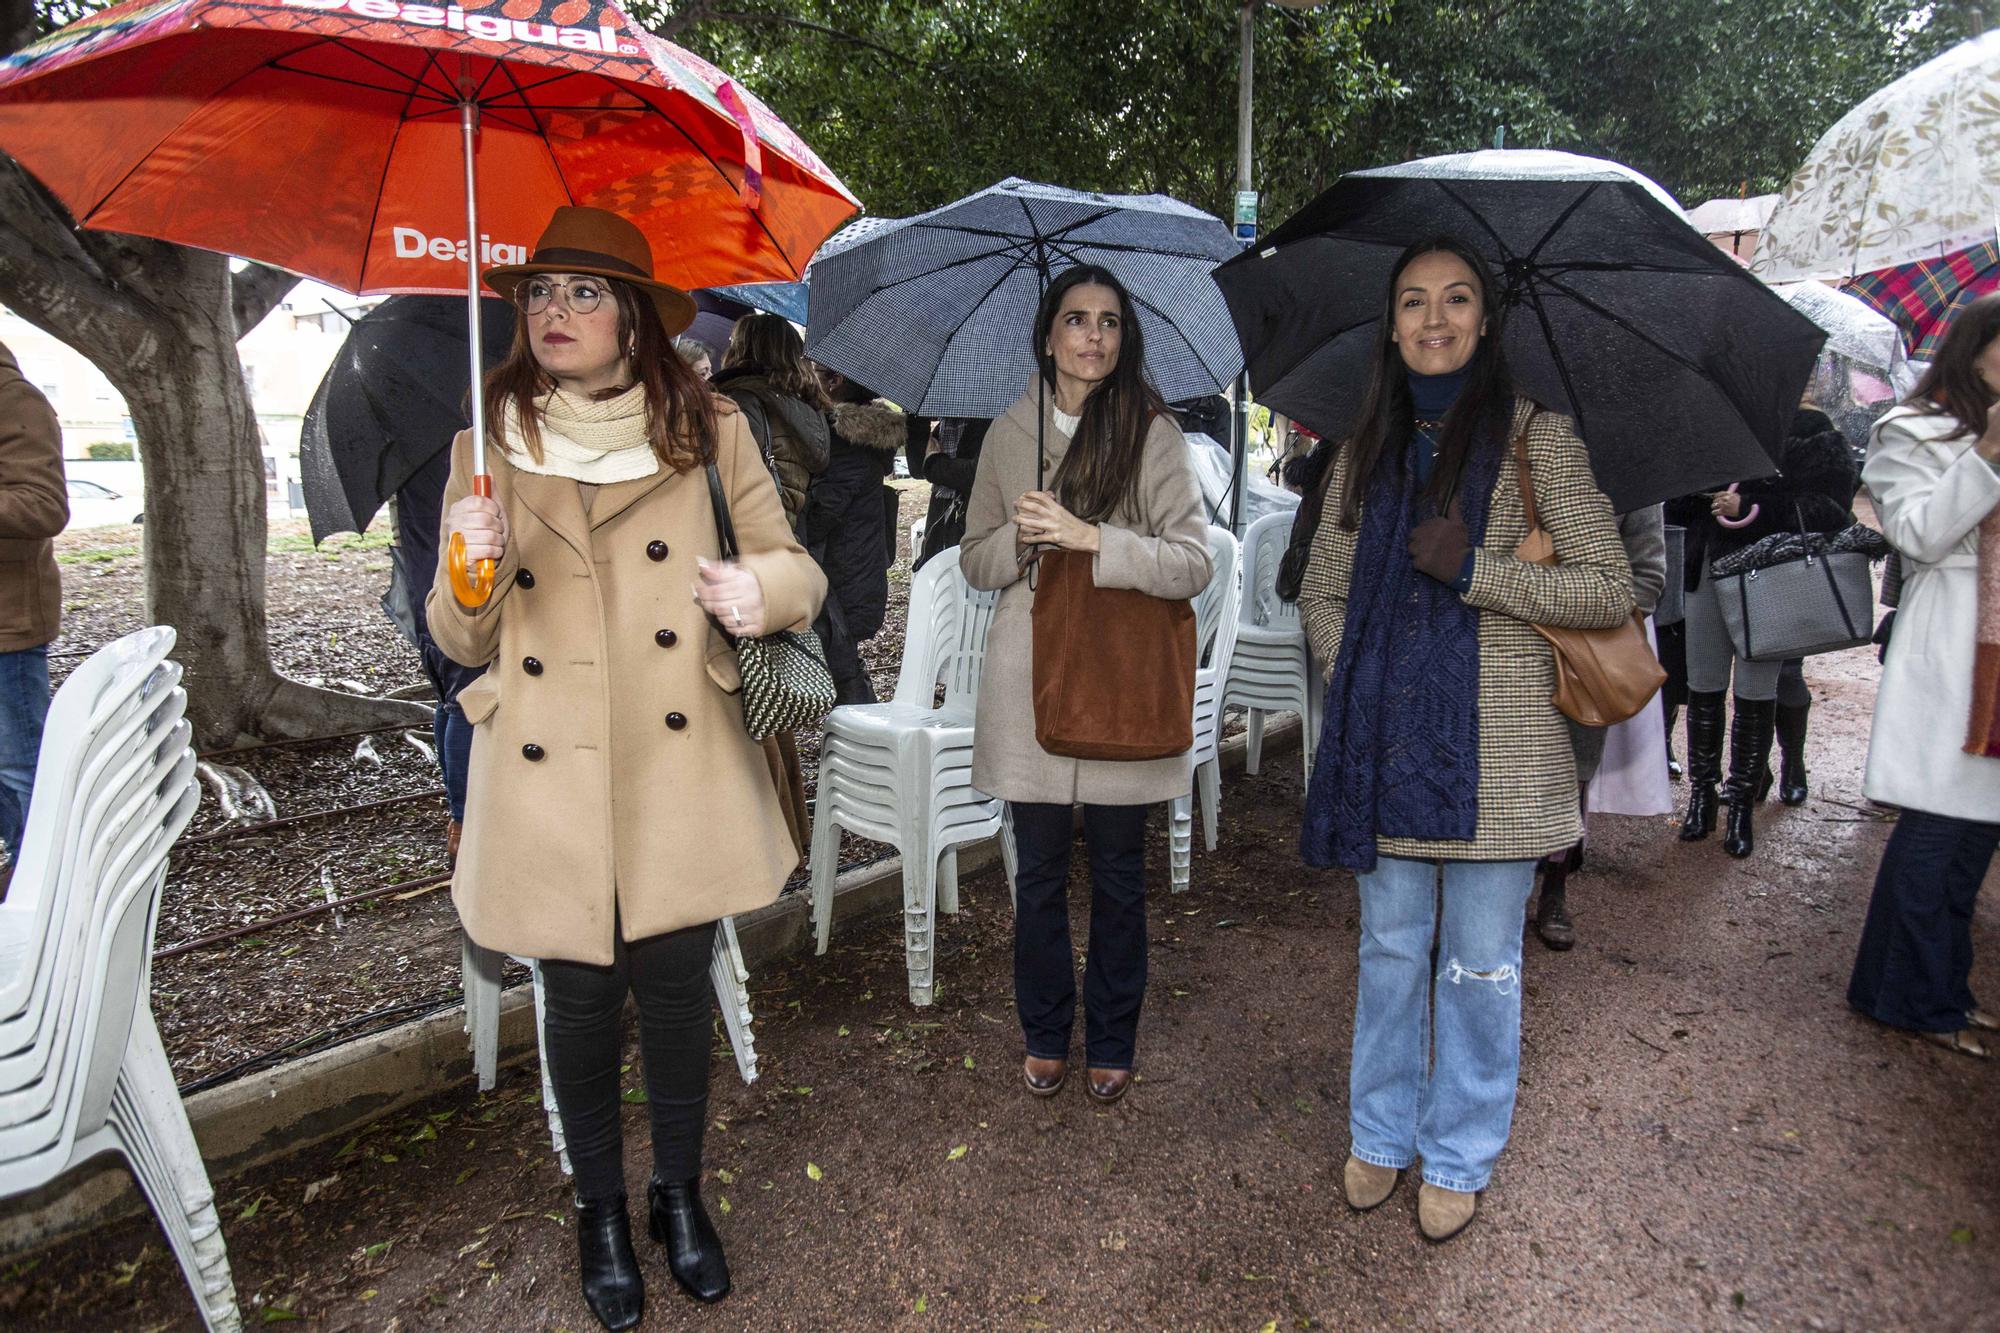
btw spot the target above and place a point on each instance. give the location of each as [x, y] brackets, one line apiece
[594, 440]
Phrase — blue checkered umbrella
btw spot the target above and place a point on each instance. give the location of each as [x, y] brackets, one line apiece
[935, 312]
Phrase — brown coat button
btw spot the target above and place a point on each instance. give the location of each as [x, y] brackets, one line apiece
[532, 665]
[656, 550]
[677, 721]
[524, 578]
[666, 638]
[532, 752]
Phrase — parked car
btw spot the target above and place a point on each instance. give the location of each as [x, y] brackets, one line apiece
[95, 505]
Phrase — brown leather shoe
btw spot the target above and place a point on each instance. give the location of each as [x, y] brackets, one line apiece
[452, 829]
[1044, 1078]
[1108, 1085]
[1443, 1213]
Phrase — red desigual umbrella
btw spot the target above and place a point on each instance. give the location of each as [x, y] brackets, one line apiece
[388, 147]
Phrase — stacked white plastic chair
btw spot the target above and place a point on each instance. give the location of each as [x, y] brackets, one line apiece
[1215, 635]
[901, 772]
[82, 1070]
[1271, 669]
[479, 972]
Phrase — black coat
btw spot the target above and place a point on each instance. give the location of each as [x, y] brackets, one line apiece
[1813, 489]
[846, 526]
[950, 476]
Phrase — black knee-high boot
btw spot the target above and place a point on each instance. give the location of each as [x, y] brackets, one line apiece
[1749, 761]
[1704, 761]
[1791, 729]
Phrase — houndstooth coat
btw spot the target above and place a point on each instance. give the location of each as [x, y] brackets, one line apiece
[1528, 803]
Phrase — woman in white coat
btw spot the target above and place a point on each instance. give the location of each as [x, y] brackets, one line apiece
[1934, 471]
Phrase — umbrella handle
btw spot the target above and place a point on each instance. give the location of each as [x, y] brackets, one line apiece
[1742, 522]
[471, 581]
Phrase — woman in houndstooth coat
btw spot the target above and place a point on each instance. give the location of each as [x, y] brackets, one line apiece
[1444, 770]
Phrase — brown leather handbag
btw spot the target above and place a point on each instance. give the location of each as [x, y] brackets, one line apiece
[1603, 676]
[1114, 667]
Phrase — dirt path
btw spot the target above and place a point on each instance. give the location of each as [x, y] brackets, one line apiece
[1706, 1136]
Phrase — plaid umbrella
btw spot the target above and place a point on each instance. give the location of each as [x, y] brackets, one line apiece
[1923, 297]
[935, 311]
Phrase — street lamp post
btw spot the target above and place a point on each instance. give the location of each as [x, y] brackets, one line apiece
[1246, 225]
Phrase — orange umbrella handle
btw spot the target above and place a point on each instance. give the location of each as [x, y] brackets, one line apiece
[471, 581]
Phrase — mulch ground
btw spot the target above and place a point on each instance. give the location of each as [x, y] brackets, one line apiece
[1706, 1136]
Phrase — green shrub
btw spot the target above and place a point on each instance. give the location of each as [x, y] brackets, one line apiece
[109, 451]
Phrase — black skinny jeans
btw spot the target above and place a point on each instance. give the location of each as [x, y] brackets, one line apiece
[583, 1008]
[1114, 974]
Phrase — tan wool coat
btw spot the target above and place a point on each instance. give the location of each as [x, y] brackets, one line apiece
[34, 507]
[1527, 772]
[1155, 543]
[610, 767]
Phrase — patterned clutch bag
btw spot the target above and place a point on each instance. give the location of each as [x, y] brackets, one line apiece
[786, 683]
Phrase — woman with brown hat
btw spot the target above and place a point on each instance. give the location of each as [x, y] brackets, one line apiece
[609, 757]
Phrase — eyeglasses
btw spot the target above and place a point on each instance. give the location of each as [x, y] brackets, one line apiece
[580, 296]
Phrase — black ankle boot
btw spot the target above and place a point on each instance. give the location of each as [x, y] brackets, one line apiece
[612, 1285]
[1552, 921]
[1791, 730]
[694, 1251]
[1704, 762]
[1749, 772]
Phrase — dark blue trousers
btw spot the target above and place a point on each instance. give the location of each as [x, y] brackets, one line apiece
[1114, 973]
[1915, 960]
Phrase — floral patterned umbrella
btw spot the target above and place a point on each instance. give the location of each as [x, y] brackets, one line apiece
[1911, 173]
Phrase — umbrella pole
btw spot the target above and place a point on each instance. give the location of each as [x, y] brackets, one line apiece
[472, 585]
[1239, 460]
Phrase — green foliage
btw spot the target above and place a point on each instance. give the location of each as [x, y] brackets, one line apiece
[109, 451]
[916, 102]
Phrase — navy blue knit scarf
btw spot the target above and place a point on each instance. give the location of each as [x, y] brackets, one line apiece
[1399, 752]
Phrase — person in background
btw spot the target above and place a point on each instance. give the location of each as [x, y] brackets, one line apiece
[1812, 492]
[1934, 472]
[1643, 534]
[845, 526]
[419, 506]
[617, 807]
[695, 352]
[766, 374]
[1121, 487]
[1444, 771]
[949, 462]
[34, 507]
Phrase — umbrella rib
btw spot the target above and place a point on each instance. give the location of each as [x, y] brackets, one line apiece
[1562, 366]
[388, 158]
[1562, 220]
[1167, 320]
[1445, 188]
[756, 214]
[971, 309]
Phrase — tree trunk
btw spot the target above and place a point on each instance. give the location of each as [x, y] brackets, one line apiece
[160, 321]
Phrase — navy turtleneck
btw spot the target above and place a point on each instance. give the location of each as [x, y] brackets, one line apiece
[1431, 397]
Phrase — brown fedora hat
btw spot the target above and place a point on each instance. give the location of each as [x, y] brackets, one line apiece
[604, 245]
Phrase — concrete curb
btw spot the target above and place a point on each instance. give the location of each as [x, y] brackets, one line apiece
[265, 1116]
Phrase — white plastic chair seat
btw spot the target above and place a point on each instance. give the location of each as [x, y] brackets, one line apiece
[1271, 668]
[1216, 629]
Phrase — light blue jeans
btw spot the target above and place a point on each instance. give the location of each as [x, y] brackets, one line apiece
[1447, 1097]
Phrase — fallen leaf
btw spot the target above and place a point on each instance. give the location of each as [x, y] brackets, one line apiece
[725, 1176]
[955, 1153]
[722, 1202]
[1271, 1327]
[634, 1095]
[844, 1031]
[369, 1294]
[813, 1172]
[279, 1314]
[923, 1304]
[969, 1064]
[465, 1175]
[464, 1250]
[251, 1209]
[1961, 1235]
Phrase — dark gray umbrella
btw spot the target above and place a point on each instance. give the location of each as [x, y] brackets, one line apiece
[393, 397]
[1681, 370]
[935, 311]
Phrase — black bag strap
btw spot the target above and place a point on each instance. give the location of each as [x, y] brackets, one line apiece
[1743, 600]
[725, 531]
[725, 535]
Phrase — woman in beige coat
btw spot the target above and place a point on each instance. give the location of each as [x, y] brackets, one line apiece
[616, 806]
[1444, 770]
[1123, 490]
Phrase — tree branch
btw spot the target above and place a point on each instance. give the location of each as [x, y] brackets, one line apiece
[40, 249]
[255, 291]
[852, 39]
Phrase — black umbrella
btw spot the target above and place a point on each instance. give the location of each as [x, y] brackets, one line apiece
[1681, 370]
[394, 396]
